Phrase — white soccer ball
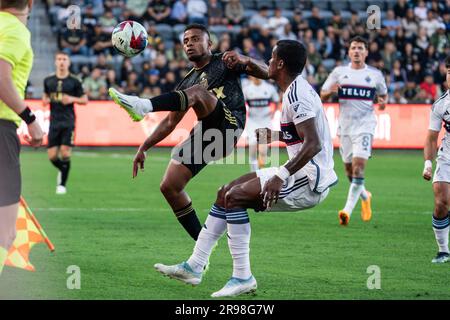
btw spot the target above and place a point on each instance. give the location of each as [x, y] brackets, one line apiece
[129, 38]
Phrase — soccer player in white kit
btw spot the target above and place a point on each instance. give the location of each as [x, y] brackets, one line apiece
[440, 114]
[356, 85]
[301, 183]
[258, 94]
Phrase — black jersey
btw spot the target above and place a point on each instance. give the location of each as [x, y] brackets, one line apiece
[62, 115]
[222, 81]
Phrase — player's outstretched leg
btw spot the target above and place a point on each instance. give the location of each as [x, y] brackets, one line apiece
[182, 272]
[196, 96]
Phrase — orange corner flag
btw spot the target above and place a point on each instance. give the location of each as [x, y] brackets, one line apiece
[29, 232]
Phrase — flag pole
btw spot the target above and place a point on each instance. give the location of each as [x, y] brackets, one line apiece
[37, 224]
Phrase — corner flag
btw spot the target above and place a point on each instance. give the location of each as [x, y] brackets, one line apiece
[29, 232]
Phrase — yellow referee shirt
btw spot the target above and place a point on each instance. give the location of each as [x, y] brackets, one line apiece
[15, 48]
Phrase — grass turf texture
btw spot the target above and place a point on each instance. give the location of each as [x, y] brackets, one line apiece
[115, 228]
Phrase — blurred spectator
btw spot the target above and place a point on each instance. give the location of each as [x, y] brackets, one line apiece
[374, 55]
[315, 22]
[397, 97]
[429, 86]
[234, 12]
[107, 21]
[431, 24]
[179, 12]
[420, 11]
[440, 40]
[298, 23]
[398, 76]
[215, 13]
[260, 20]
[111, 79]
[100, 42]
[313, 56]
[74, 42]
[277, 22]
[323, 44]
[126, 68]
[286, 33]
[400, 8]
[389, 54]
[132, 86]
[416, 74]
[336, 22]
[250, 50]
[197, 11]
[391, 23]
[158, 11]
[95, 86]
[410, 24]
[422, 39]
[136, 9]
[411, 90]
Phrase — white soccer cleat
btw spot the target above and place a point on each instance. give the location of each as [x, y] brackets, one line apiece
[441, 257]
[61, 190]
[136, 107]
[235, 287]
[182, 272]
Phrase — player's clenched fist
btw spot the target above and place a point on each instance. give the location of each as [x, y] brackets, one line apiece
[427, 171]
[233, 58]
[35, 134]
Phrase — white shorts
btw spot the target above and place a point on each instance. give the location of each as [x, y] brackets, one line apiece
[296, 195]
[253, 124]
[352, 146]
[442, 172]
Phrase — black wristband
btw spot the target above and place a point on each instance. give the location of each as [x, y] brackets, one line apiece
[27, 115]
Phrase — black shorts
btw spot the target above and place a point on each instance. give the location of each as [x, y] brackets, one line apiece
[58, 136]
[213, 138]
[10, 178]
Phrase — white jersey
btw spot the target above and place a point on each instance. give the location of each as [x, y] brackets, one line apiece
[440, 113]
[356, 95]
[300, 103]
[258, 99]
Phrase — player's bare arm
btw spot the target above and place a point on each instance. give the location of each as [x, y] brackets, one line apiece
[45, 100]
[326, 94]
[382, 101]
[67, 99]
[253, 67]
[10, 96]
[164, 128]
[311, 147]
[429, 153]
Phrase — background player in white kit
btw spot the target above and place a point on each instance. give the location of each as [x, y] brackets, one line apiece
[258, 94]
[440, 113]
[356, 85]
[301, 183]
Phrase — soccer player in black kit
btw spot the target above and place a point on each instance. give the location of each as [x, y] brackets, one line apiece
[61, 91]
[213, 89]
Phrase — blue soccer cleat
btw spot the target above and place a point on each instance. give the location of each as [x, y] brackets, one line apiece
[182, 272]
[235, 287]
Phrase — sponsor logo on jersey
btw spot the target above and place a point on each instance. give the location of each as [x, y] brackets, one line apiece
[258, 103]
[350, 92]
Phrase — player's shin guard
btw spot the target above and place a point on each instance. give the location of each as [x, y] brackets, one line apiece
[239, 232]
[3, 256]
[189, 220]
[356, 187]
[172, 101]
[65, 168]
[441, 229]
[212, 231]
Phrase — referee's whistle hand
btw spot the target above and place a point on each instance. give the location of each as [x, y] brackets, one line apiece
[35, 134]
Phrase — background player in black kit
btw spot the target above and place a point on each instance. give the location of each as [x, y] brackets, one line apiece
[61, 91]
[213, 89]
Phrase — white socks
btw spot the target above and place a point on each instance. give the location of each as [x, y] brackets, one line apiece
[212, 231]
[239, 232]
[441, 229]
[356, 188]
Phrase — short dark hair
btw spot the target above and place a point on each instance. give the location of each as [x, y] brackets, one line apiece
[199, 27]
[60, 52]
[17, 4]
[360, 40]
[447, 62]
[293, 53]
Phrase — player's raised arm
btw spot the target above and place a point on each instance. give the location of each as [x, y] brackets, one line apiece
[10, 96]
[164, 128]
[252, 66]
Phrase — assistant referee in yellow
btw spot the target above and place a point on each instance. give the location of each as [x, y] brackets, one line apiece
[16, 60]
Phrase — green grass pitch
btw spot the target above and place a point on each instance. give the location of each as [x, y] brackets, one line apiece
[115, 228]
